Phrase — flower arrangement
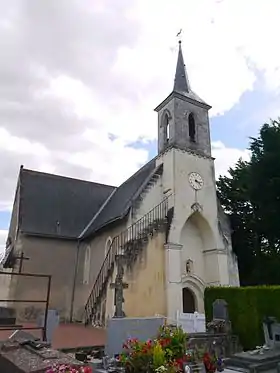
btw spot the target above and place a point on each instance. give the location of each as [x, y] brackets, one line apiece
[167, 353]
[63, 368]
[218, 326]
[212, 363]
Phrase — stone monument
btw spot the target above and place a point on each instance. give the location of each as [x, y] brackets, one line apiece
[23, 355]
[264, 358]
[220, 322]
[120, 329]
[52, 323]
[271, 331]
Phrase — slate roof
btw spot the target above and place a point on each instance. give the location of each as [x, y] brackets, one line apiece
[182, 84]
[121, 199]
[57, 206]
[53, 205]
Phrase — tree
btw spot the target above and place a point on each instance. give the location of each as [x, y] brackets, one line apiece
[251, 197]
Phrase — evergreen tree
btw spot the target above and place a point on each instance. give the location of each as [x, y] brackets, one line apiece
[251, 197]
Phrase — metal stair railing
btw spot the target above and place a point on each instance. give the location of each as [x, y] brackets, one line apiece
[121, 244]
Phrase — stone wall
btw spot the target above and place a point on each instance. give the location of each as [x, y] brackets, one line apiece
[49, 257]
[223, 344]
[98, 246]
[145, 295]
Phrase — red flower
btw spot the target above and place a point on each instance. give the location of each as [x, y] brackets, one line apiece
[165, 342]
[87, 370]
[179, 362]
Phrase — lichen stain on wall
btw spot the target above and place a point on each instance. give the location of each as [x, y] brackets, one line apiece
[146, 294]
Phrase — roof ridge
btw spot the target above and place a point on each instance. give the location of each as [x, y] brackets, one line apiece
[112, 194]
[56, 176]
[96, 214]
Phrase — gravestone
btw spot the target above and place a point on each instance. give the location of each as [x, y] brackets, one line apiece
[220, 310]
[120, 329]
[271, 329]
[220, 322]
[263, 359]
[7, 316]
[31, 357]
[22, 336]
[268, 321]
[254, 362]
[52, 323]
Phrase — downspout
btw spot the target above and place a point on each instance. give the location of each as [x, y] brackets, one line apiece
[74, 282]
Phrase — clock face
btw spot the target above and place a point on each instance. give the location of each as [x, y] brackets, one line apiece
[196, 180]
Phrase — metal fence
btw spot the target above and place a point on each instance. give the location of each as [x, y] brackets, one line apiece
[45, 301]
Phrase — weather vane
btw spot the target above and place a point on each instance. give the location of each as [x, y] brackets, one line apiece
[179, 35]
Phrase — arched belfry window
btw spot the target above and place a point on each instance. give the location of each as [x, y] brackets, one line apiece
[166, 127]
[191, 127]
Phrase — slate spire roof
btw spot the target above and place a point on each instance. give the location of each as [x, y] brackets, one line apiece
[181, 81]
[182, 87]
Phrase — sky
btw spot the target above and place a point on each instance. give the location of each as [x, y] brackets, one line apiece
[79, 80]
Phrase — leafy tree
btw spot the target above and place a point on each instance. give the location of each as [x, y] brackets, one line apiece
[251, 197]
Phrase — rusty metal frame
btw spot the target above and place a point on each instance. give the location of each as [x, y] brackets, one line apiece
[46, 301]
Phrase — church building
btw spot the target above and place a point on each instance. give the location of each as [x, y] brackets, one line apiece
[147, 247]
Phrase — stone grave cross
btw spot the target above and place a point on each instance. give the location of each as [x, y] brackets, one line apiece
[119, 287]
[21, 258]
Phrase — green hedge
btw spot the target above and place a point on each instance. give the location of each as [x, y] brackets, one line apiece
[247, 306]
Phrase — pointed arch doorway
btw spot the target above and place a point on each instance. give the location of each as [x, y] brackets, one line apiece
[189, 303]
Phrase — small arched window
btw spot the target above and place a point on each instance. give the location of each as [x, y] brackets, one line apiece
[166, 128]
[87, 265]
[191, 128]
[108, 245]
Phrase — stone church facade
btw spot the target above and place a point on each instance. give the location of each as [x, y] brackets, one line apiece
[162, 232]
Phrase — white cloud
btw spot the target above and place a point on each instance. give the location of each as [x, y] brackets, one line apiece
[3, 237]
[226, 157]
[73, 73]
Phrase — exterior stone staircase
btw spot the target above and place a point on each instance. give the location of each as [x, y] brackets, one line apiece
[127, 245]
[147, 187]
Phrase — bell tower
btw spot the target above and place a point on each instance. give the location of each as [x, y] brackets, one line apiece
[183, 120]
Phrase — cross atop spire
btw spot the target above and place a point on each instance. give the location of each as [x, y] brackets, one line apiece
[181, 82]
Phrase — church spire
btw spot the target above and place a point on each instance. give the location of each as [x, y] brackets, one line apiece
[181, 82]
[181, 87]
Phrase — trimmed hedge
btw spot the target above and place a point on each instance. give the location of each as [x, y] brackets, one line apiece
[247, 306]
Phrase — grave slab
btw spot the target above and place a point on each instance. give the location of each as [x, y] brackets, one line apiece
[16, 357]
[254, 363]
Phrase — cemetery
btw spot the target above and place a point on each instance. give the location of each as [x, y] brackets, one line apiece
[230, 341]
